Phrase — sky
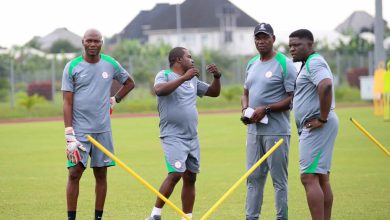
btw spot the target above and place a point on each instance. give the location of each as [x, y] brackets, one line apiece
[21, 20]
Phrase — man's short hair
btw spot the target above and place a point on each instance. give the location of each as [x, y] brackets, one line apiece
[174, 54]
[303, 34]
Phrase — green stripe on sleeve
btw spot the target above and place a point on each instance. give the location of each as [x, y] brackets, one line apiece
[167, 72]
[251, 61]
[169, 167]
[308, 60]
[110, 60]
[312, 168]
[282, 60]
[73, 64]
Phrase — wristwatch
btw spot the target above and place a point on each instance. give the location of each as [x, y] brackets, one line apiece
[322, 120]
[267, 109]
[217, 76]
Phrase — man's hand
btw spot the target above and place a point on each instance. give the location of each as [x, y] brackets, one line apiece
[112, 104]
[191, 73]
[245, 120]
[213, 69]
[258, 114]
[246, 115]
[72, 146]
[313, 124]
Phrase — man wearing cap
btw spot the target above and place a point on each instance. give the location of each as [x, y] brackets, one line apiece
[268, 91]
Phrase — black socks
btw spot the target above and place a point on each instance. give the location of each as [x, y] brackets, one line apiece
[98, 215]
[71, 215]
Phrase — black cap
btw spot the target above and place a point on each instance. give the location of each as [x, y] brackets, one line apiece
[264, 28]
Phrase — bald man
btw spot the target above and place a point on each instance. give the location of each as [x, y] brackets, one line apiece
[86, 85]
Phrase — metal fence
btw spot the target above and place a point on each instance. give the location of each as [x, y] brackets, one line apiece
[17, 75]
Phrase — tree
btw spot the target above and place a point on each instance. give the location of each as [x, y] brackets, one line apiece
[4, 76]
[356, 44]
[145, 60]
[63, 46]
[224, 62]
[126, 48]
[33, 43]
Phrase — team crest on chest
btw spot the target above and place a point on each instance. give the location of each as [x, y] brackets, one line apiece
[268, 74]
[105, 75]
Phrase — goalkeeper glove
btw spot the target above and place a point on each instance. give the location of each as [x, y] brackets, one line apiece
[72, 146]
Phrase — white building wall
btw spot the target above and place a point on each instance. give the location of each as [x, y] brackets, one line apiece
[197, 39]
[243, 42]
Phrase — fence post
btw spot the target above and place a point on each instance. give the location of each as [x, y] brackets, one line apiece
[12, 82]
[53, 79]
[130, 69]
[338, 68]
[203, 61]
[371, 67]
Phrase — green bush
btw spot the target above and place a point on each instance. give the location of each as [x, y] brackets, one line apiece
[232, 92]
[4, 93]
[141, 100]
[138, 105]
[29, 101]
[4, 90]
[21, 86]
[347, 94]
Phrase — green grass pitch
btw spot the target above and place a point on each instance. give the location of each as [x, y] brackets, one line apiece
[33, 174]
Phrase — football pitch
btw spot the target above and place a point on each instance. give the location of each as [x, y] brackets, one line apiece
[33, 171]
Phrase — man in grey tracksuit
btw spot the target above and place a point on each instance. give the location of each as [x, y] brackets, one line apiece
[268, 89]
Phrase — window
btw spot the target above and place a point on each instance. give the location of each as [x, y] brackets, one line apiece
[228, 36]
